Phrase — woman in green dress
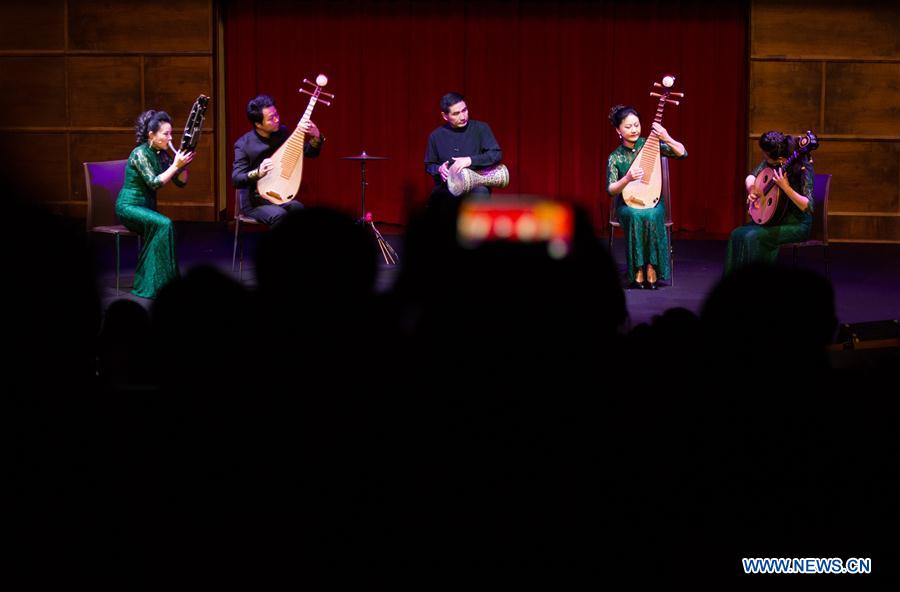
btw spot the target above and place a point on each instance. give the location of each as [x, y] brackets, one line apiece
[149, 168]
[647, 245]
[756, 243]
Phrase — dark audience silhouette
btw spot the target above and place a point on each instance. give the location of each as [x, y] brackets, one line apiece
[478, 422]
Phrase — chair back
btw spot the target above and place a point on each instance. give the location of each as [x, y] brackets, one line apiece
[666, 188]
[819, 230]
[104, 181]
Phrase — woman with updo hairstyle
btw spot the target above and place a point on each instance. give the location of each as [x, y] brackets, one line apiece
[755, 243]
[646, 241]
[149, 168]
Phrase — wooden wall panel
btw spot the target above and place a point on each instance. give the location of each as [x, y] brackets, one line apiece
[42, 159]
[784, 95]
[200, 181]
[39, 97]
[864, 228]
[46, 25]
[862, 99]
[191, 203]
[878, 190]
[143, 27]
[854, 47]
[861, 30]
[77, 73]
[94, 147]
[754, 155]
[104, 91]
[174, 83]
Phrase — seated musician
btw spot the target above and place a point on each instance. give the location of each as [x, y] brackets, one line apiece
[646, 240]
[149, 168]
[760, 243]
[252, 157]
[469, 143]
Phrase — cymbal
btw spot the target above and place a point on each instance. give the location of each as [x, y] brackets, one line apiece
[364, 156]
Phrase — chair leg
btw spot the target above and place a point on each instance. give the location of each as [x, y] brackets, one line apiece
[612, 231]
[825, 255]
[118, 259]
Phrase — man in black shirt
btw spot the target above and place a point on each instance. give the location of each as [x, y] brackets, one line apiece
[468, 142]
[252, 161]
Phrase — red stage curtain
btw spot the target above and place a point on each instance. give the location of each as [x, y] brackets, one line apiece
[542, 74]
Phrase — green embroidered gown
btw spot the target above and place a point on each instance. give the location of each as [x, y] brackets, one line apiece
[646, 240]
[136, 208]
[756, 243]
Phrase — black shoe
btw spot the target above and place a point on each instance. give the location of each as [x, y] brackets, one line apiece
[636, 286]
[650, 286]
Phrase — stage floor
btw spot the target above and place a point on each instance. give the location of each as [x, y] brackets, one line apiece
[866, 277]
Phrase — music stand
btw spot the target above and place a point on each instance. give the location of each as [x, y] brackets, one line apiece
[387, 251]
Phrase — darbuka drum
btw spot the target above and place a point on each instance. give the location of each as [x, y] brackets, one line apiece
[467, 179]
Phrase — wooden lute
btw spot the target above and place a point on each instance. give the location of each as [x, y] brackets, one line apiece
[282, 183]
[770, 207]
[644, 193]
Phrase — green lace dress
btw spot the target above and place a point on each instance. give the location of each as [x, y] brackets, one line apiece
[755, 243]
[136, 208]
[646, 240]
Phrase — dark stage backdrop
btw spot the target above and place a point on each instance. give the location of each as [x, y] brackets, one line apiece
[542, 74]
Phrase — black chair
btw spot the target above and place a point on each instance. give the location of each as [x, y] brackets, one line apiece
[237, 256]
[104, 180]
[667, 200]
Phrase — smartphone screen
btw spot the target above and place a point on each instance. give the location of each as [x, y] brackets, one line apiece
[517, 220]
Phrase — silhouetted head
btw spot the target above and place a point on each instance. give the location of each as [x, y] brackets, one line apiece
[196, 328]
[316, 257]
[770, 317]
